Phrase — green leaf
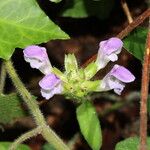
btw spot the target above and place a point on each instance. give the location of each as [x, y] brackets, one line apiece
[131, 144]
[10, 108]
[6, 145]
[89, 125]
[86, 8]
[48, 146]
[23, 23]
[135, 42]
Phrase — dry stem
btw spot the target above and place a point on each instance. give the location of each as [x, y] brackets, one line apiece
[144, 95]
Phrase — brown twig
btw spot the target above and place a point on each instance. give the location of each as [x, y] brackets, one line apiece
[126, 11]
[144, 95]
[125, 32]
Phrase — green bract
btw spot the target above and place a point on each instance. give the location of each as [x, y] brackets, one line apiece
[77, 82]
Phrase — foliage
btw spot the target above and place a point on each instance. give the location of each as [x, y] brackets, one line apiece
[48, 146]
[89, 125]
[6, 145]
[23, 23]
[10, 108]
[130, 144]
[148, 105]
[86, 8]
[135, 42]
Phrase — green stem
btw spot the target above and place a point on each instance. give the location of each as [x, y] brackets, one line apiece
[2, 78]
[47, 133]
[25, 136]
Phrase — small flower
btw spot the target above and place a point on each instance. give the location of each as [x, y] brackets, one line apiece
[116, 79]
[38, 58]
[108, 51]
[50, 85]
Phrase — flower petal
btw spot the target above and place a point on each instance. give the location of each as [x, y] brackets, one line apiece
[50, 85]
[47, 94]
[116, 85]
[36, 52]
[116, 79]
[108, 51]
[38, 58]
[111, 45]
[122, 74]
[49, 82]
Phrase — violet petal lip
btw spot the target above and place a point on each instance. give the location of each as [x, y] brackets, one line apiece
[36, 52]
[49, 82]
[50, 85]
[122, 74]
[108, 51]
[111, 45]
[47, 94]
[116, 79]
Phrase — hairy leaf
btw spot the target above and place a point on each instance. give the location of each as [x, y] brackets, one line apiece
[86, 8]
[6, 145]
[131, 144]
[89, 125]
[10, 108]
[23, 23]
[135, 42]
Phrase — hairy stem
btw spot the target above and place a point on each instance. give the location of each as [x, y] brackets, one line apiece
[144, 95]
[2, 78]
[47, 132]
[25, 136]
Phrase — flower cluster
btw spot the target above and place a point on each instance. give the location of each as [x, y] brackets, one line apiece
[76, 82]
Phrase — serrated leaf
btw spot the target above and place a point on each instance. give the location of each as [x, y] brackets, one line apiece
[23, 23]
[135, 42]
[10, 108]
[6, 145]
[86, 8]
[89, 125]
[131, 144]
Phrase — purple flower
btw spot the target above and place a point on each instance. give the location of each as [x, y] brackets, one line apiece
[50, 85]
[108, 51]
[38, 58]
[116, 79]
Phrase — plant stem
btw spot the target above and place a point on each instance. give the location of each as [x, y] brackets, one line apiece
[25, 136]
[2, 78]
[126, 11]
[47, 132]
[144, 95]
